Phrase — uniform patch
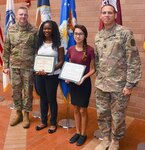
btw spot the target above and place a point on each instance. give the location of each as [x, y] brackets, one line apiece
[132, 42]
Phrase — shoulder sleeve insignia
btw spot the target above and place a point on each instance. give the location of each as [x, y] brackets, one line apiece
[132, 42]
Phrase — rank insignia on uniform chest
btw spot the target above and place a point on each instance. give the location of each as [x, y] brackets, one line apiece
[132, 42]
[105, 46]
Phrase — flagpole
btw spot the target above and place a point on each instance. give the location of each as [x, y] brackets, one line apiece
[67, 21]
[1, 97]
[10, 19]
[67, 123]
[42, 14]
[35, 114]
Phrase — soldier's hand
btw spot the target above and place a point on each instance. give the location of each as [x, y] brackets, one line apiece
[127, 91]
[6, 70]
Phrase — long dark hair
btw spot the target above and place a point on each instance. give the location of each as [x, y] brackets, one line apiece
[84, 29]
[55, 35]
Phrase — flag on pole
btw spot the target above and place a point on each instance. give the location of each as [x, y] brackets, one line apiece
[10, 19]
[43, 12]
[1, 44]
[117, 6]
[10, 15]
[28, 3]
[67, 23]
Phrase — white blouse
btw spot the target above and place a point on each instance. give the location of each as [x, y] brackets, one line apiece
[46, 49]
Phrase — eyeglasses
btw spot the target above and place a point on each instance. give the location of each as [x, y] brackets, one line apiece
[78, 34]
[107, 12]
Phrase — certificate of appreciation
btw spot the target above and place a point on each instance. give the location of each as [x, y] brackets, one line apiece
[72, 72]
[45, 63]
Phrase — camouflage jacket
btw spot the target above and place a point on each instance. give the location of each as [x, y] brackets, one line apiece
[19, 47]
[117, 59]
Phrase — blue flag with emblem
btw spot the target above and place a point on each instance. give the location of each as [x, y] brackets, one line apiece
[67, 23]
[10, 19]
[10, 15]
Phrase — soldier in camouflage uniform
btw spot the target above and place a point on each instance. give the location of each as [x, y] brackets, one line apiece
[118, 71]
[18, 58]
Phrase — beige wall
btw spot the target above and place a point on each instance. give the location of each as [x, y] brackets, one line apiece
[133, 13]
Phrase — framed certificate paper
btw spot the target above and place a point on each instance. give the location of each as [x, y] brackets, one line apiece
[72, 72]
[45, 63]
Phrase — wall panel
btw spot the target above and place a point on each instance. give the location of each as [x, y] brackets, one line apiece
[133, 13]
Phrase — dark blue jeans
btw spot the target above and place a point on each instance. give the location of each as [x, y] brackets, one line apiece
[47, 87]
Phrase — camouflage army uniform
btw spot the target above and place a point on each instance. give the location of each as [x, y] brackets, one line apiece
[117, 66]
[18, 55]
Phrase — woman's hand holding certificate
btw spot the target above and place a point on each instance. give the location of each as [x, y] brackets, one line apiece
[72, 72]
[44, 64]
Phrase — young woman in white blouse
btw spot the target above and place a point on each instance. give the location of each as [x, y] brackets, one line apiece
[49, 44]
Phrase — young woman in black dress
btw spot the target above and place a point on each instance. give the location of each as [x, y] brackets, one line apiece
[80, 92]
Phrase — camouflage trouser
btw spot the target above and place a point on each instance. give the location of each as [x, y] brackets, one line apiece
[111, 108]
[22, 87]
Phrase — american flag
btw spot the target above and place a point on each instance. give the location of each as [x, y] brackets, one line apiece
[1, 44]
